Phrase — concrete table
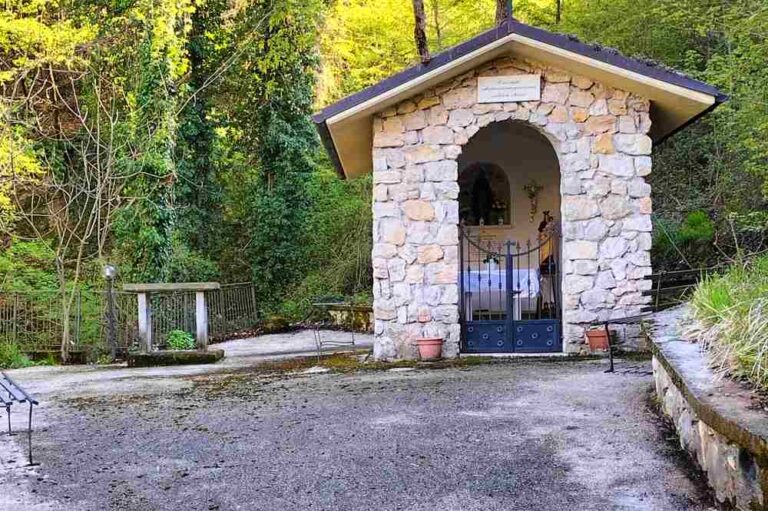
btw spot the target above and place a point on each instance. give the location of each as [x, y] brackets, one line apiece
[145, 308]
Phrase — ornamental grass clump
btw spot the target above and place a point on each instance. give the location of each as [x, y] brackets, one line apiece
[732, 315]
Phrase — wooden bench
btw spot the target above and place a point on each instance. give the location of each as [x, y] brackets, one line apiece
[16, 395]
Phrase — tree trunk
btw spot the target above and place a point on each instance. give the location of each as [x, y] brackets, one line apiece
[558, 11]
[419, 31]
[503, 11]
[438, 28]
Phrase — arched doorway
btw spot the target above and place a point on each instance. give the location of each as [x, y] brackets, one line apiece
[509, 208]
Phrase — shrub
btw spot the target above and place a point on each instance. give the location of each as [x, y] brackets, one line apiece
[688, 241]
[180, 340]
[696, 228]
[11, 357]
[732, 311]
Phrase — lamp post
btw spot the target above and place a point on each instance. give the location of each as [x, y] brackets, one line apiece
[110, 274]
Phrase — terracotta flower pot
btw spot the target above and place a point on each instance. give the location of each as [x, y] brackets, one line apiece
[430, 348]
[598, 339]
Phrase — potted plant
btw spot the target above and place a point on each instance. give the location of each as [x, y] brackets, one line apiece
[598, 338]
[430, 348]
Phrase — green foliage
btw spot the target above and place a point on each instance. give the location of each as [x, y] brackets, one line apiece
[11, 357]
[27, 266]
[717, 165]
[733, 313]
[32, 36]
[364, 41]
[696, 228]
[196, 114]
[189, 265]
[180, 340]
[338, 252]
[272, 102]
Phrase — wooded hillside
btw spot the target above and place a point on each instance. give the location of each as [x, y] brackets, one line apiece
[173, 139]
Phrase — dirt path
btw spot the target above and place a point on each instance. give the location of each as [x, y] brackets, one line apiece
[512, 436]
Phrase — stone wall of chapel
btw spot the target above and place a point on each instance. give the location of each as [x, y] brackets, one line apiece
[600, 137]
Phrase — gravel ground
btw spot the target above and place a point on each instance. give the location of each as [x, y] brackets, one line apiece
[525, 435]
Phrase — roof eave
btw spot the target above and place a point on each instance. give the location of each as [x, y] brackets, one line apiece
[485, 39]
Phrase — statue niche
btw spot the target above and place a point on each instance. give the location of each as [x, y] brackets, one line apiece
[484, 195]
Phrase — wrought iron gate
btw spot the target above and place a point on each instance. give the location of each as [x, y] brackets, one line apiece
[509, 294]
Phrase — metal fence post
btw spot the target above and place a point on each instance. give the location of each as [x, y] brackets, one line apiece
[15, 316]
[111, 319]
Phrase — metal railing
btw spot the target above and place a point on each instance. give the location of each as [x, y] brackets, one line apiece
[507, 277]
[37, 320]
[232, 310]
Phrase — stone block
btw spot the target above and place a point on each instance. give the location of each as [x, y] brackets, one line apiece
[580, 249]
[448, 235]
[638, 188]
[599, 107]
[579, 207]
[643, 165]
[583, 266]
[600, 124]
[406, 107]
[464, 97]
[640, 223]
[428, 102]
[575, 284]
[429, 254]
[634, 144]
[617, 164]
[581, 98]
[444, 170]
[385, 209]
[437, 135]
[392, 231]
[615, 207]
[627, 124]
[603, 144]
[422, 153]
[612, 248]
[415, 121]
[579, 114]
[461, 117]
[419, 233]
[595, 230]
[438, 116]
[555, 93]
[396, 267]
[581, 82]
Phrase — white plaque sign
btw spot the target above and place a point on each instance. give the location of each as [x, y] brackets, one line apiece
[506, 89]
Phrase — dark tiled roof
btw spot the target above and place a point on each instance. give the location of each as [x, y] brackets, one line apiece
[563, 41]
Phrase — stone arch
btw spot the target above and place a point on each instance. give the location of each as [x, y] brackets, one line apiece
[512, 155]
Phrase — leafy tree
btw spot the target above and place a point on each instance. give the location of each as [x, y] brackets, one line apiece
[365, 41]
[272, 89]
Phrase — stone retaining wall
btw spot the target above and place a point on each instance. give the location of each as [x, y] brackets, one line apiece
[730, 454]
[600, 137]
